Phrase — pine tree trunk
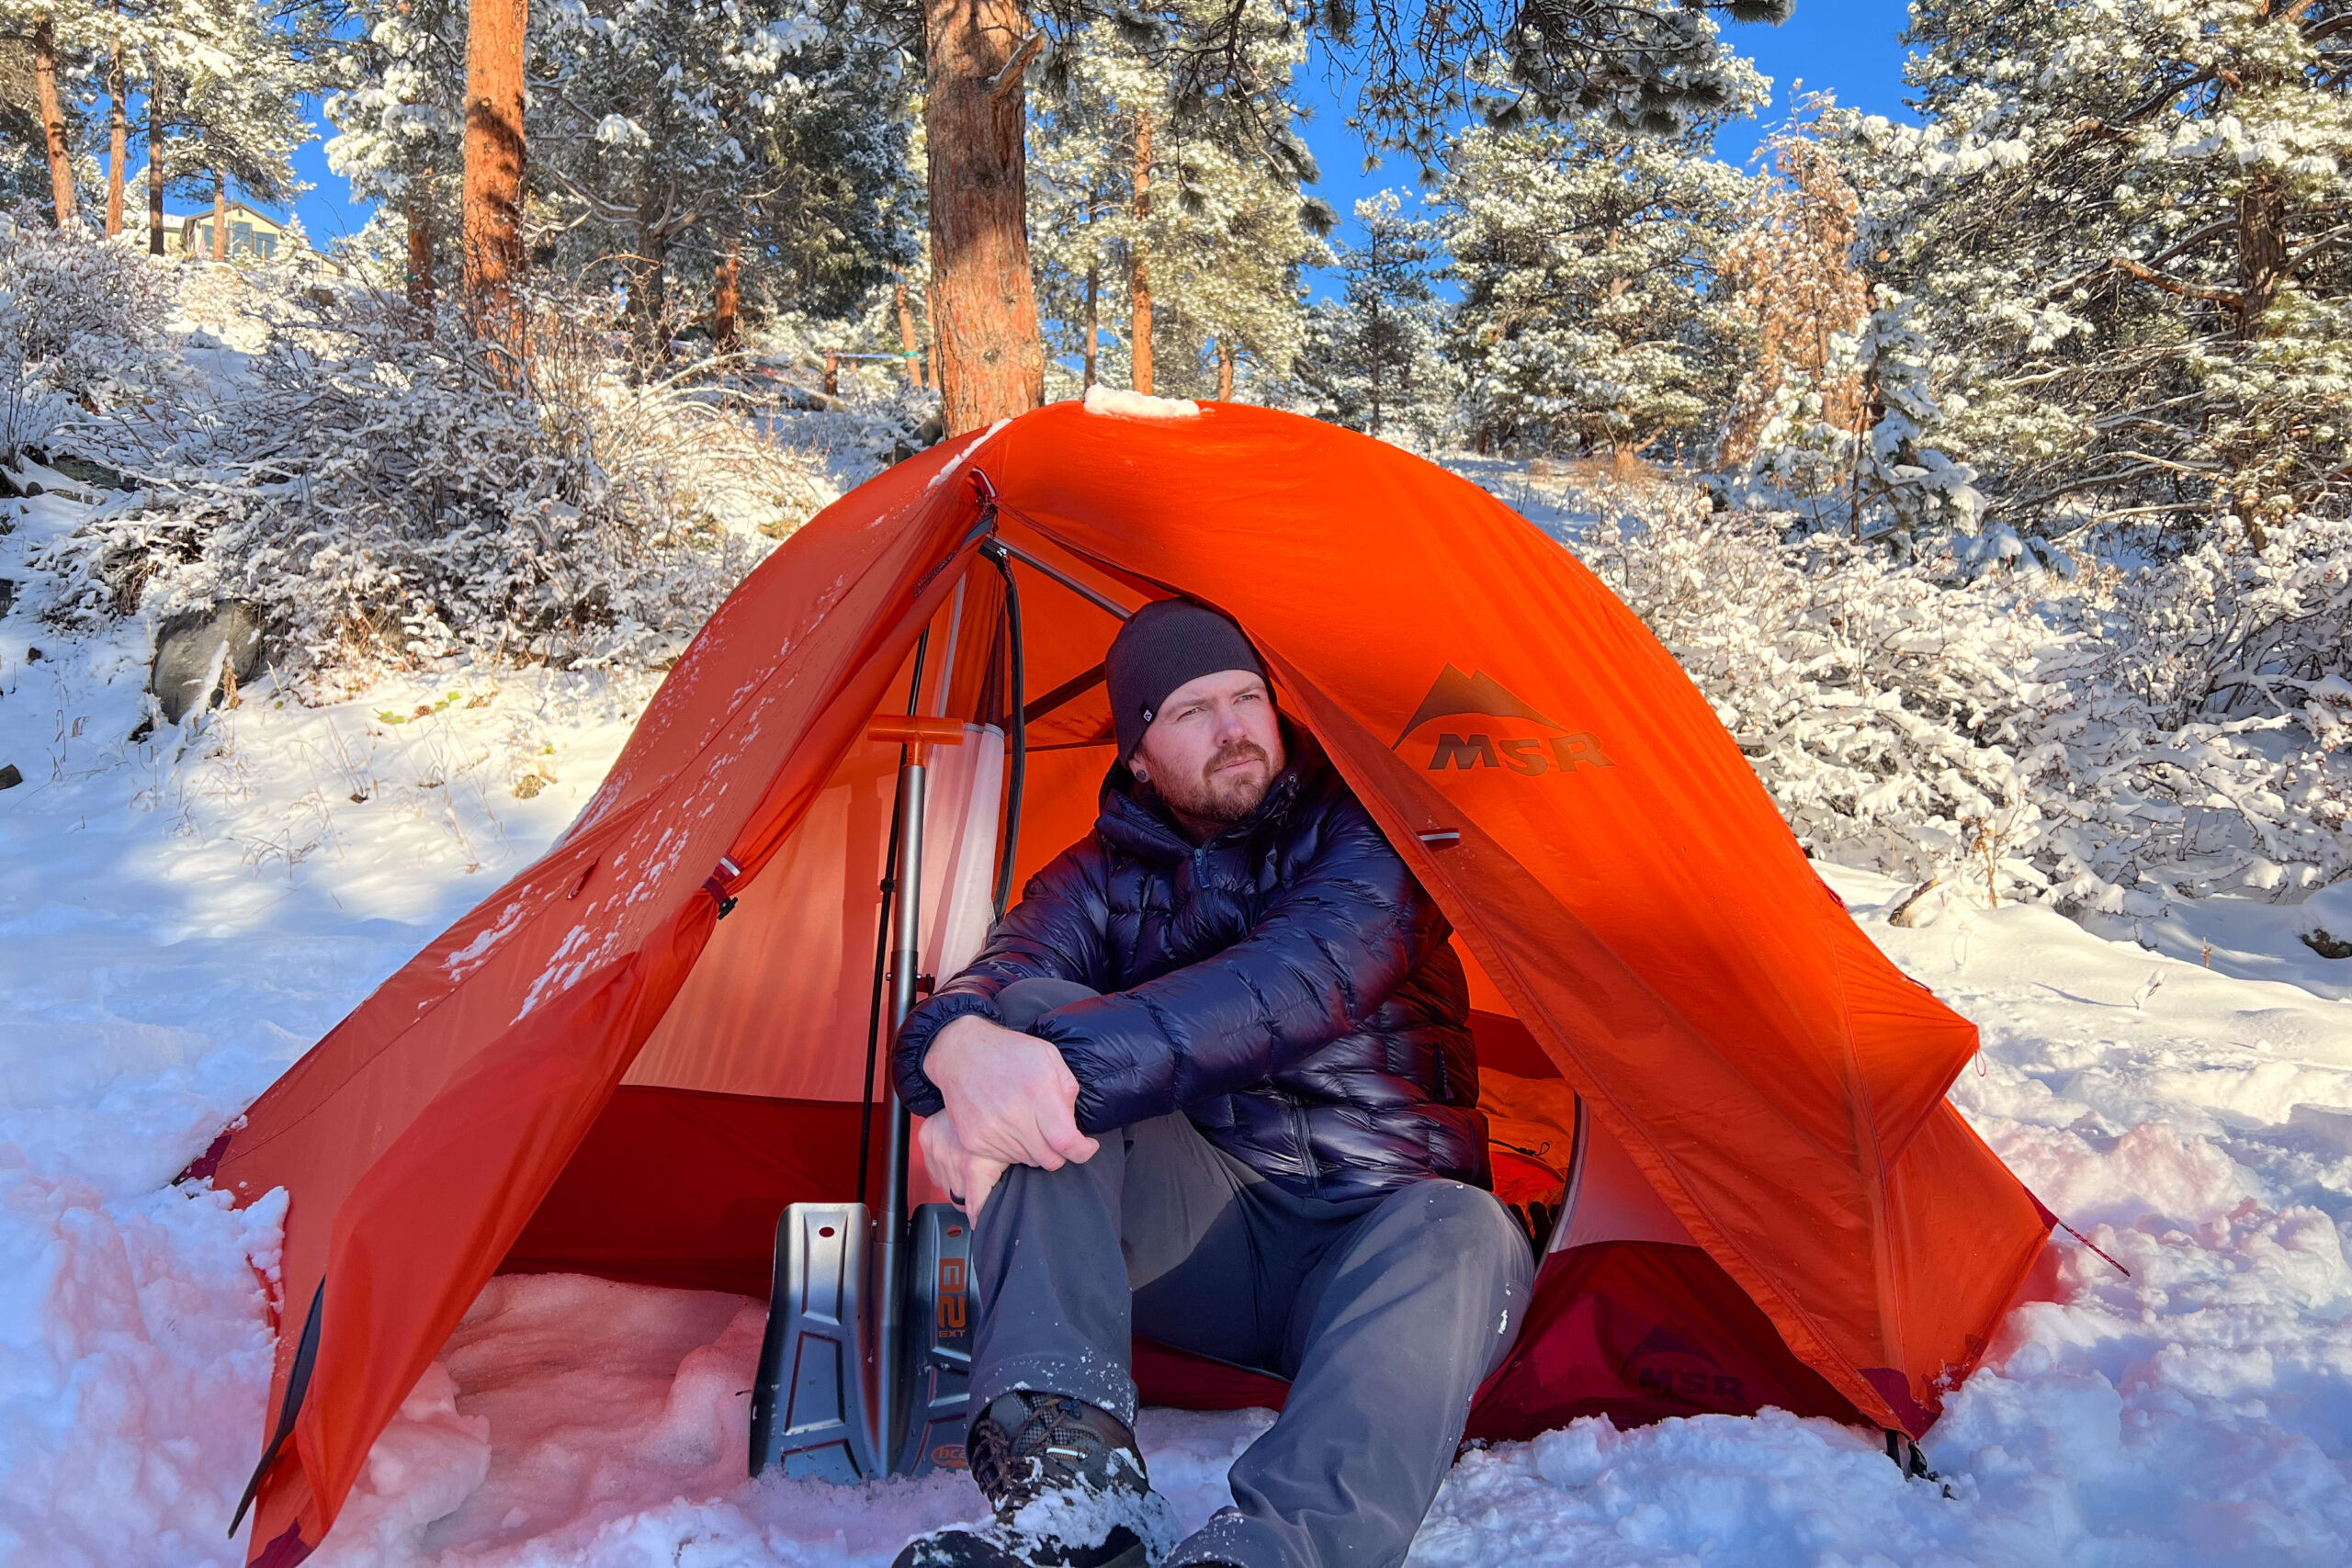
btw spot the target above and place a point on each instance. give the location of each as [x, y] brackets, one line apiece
[2262, 250]
[52, 122]
[1226, 357]
[727, 305]
[418, 210]
[991, 362]
[492, 232]
[118, 143]
[220, 216]
[908, 343]
[934, 378]
[1139, 279]
[1093, 319]
[155, 163]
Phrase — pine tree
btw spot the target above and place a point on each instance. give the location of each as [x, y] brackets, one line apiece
[1652, 61]
[492, 215]
[224, 80]
[55, 136]
[1219, 239]
[1374, 357]
[47, 82]
[240, 113]
[1587, 256]
[691, 151]
[727, 144]
[401, 127]
[2123, 226]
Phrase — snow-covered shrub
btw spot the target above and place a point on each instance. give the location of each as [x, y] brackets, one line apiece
[80, 320]
[2229, 630]
[1878, 705]
[2105, 742]
[388, 490]
[2203, 749]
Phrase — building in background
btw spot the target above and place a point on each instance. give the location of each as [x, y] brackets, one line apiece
[252, 234]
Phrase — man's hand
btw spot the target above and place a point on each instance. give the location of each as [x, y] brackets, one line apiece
[1009, 1097]
[970, 1177]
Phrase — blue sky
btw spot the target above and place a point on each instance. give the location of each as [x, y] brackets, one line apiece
[1846, 46]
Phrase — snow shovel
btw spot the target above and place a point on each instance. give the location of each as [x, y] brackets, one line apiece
[866, 1360]
[865, 1368]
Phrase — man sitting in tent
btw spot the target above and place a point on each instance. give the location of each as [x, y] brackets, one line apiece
[1211, 1082]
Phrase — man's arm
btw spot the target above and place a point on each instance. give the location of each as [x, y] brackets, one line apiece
[1056, 933]
[1328, 953]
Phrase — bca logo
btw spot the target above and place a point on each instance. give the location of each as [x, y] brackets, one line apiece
[1471, 721]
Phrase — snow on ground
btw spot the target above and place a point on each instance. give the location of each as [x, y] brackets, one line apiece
[181, 916]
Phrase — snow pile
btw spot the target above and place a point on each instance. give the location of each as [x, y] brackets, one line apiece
[1118, 403]
[575, 1420]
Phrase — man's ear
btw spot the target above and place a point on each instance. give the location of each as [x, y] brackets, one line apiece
[1135, 766]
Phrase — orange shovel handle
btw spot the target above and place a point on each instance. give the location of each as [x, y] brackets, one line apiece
[905, 729]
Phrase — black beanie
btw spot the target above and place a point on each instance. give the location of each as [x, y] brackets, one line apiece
[1162, 646]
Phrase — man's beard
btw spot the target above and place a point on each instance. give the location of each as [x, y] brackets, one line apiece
[1227, 798]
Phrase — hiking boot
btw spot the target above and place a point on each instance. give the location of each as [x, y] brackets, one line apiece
[1067, 1483]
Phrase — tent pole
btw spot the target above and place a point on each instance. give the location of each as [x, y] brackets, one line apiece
[1101, 601]
[1017, 768]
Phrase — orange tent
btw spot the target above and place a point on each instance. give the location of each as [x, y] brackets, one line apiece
[591, 1072]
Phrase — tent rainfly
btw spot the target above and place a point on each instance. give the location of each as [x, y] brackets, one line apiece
[1767, 1199]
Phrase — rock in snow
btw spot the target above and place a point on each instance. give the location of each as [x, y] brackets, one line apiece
[195, 649]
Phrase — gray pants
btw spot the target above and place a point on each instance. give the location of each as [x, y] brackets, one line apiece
[1386, 1312]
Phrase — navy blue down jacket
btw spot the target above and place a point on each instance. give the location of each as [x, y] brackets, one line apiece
[1288, 984]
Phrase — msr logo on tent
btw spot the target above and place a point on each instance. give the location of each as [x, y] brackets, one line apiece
[1503, 740]
[1667, 1365]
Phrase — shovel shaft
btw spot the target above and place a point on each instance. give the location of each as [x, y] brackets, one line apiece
[906, 960]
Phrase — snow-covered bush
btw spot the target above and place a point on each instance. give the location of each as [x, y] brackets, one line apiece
[80, 320]
[386, 491]
[1863, 692]
[2105, 742]
[2225, 627]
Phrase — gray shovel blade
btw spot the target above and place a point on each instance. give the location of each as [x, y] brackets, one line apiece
[938, 1378]
[810, 1403]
